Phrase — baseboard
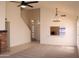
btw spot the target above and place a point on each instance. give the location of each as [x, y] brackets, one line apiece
[19, 48]
[59, 45]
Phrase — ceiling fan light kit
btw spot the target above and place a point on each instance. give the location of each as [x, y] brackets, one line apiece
[22, 6]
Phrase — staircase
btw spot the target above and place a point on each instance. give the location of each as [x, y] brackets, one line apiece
[25, 17]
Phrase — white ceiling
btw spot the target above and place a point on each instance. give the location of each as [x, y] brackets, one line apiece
[71, 7]
[51, 3]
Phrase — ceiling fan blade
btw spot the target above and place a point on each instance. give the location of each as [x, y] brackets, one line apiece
[18, 5]
[31, 2]
[30, 6]
[25, 3]
[16, 1]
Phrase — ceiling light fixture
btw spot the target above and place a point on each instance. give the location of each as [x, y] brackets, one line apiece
[57, 17]
[23, 6]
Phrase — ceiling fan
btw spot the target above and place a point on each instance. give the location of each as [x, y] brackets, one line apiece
[23, 4]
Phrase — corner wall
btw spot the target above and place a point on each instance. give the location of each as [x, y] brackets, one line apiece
[19, 31]
[78, 35]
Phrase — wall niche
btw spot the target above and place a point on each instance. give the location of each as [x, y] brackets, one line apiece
[54, 30]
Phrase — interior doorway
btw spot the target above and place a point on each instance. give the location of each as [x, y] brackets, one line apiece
[35, 25]
[35, 30]
[31, 18]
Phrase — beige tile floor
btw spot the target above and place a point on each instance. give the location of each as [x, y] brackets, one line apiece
[37, 50]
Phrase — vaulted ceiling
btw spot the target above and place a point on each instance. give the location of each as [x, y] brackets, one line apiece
[68, 7]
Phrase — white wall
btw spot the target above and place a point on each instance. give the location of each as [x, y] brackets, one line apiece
[68, 22]
[19, 31]
[78, 35]
[2, 15]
